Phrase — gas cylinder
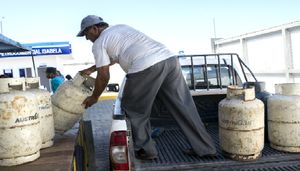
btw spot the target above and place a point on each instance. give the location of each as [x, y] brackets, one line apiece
[241, 124]
[263, 95]
[67, 101]
[20, 139]
[44, 110]
[63, 120]
[284, 117]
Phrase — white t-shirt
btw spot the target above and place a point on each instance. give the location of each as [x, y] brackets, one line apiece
[132, 49]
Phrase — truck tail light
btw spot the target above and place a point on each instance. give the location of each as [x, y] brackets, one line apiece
[119, 151]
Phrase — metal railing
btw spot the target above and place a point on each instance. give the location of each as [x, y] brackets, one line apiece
[219, 57]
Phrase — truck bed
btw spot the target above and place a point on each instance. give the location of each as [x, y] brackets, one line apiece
[171, 142]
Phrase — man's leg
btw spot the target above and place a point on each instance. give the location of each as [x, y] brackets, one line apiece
[177, 98]
[139, 93]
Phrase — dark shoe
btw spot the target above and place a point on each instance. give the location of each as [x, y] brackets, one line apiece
[141, 154]
[191, 152]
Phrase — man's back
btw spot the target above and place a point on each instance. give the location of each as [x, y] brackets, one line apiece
[132, 49]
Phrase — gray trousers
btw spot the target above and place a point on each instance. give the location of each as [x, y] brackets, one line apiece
[166, 81]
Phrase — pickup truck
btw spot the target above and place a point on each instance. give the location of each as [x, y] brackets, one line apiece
[207, 76]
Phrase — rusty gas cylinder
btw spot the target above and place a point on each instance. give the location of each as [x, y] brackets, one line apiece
[44, 110]
[263, 95]
[284, 117]
[67, 101]
[241, 124]
[20, 139]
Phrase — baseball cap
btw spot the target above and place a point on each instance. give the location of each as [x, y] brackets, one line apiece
[87, 22]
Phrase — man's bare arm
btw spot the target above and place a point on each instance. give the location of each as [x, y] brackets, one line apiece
[101, 82]
[89, 70]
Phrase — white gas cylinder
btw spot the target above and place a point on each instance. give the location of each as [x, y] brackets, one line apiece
[284, 117]
[20, 139]
[241, 124]
[67, 101]
[44, 110]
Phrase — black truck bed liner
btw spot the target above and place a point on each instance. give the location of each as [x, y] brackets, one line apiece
[171, 142]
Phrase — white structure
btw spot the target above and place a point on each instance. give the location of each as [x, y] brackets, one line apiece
[273, 54]
[33, 63]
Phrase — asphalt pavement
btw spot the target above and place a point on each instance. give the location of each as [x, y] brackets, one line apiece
[100, 114]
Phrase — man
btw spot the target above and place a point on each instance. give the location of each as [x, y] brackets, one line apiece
[56, 78]
[152, 70]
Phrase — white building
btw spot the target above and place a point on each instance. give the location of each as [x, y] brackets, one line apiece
[273, 54]
[33, 63]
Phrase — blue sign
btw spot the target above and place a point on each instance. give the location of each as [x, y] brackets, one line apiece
[40, 51]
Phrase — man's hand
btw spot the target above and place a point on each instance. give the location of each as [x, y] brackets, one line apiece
[89, 101]
[88, 71]
[100, 84]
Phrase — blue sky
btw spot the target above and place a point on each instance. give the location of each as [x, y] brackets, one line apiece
[180, 24]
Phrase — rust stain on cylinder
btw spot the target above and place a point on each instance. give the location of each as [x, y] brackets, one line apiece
[5, 114]
[18, 103]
